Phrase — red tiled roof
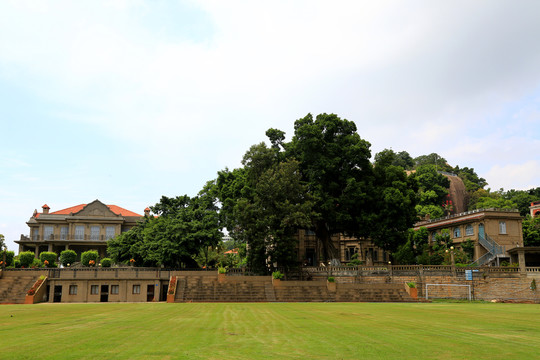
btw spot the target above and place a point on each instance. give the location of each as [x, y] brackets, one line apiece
[121, 211]
[69, 210]
[74, 209]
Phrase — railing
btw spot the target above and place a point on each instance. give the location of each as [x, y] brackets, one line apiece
[493, 249]
[419, 223]
[62, 237]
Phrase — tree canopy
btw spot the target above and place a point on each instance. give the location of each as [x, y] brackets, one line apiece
[323, 180]
[432, 191]
[183, 226]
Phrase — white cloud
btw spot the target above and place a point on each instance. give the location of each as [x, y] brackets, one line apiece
[522, 176]
[185, 97]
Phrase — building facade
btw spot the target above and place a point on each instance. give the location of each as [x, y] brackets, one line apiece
[494, 232]
[310, 249]
[80, 228]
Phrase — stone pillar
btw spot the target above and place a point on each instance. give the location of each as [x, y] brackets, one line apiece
[67, 247]
[36, 252]
[521, 260]
[50, 248]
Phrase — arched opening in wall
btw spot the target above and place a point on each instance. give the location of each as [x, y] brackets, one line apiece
[537, 213]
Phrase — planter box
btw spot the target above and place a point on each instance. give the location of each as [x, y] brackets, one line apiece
[413, 292]
[331, 286]
[29, 299]
[38, 294]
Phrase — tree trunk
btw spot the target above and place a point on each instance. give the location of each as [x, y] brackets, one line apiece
[329, 251]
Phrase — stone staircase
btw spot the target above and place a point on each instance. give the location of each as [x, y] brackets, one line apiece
[251, 289]
[372, 293]
[208, 289]
[13, 288]
[302, 293]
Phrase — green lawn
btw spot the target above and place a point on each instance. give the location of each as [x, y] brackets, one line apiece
[270, 331]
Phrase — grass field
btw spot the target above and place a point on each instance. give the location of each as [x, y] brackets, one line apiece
[270, 331]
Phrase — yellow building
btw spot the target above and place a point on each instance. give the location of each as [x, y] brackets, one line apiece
[80, 228]
[310, 249]
[494, 232]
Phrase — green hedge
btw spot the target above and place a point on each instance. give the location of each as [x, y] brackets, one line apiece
[88, 256]
[106, 262]
[26, 258]
[68, 257]
[50, 257]
[9, 257]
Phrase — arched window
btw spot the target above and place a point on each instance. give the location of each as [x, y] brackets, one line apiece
[469, 230]
[457, 232]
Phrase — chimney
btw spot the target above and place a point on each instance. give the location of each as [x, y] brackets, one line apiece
[45, 209]
[147, 211]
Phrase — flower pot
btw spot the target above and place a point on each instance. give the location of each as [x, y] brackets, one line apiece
[276, 282]
[221, 277]
[413, 292]
[331, 286]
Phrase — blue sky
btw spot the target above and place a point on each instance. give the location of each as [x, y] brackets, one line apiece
[126, 101]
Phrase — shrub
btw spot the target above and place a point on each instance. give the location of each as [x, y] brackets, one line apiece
[277, 275]
[89, 257]
[36, 263]
[9, 257]
[16, 263]
[26, 258]
[411, 284]
[222, 270]
[106, 262]
[68, 257]
[331, 279]
[49, 257]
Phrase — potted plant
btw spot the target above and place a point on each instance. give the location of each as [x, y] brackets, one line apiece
[331, 284]
[276, 278]
[411, 289]
[171, 293]
[36, 292]
[222, 272]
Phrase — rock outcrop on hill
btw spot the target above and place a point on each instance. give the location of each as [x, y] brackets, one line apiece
[457, 193]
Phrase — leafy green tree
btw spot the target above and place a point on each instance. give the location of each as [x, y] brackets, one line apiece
[402, 158]
[438, 162]
[183, 227]
[281, 205]
[334, 162]
[522, 199]
[432, 191]
[393, 213]
[468, 248]
[531, 231]
[264, 205]
[489, 202]
[470, 178]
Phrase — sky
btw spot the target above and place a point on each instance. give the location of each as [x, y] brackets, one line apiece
[127, 101]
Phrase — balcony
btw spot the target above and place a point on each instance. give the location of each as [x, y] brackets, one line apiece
[65, 238]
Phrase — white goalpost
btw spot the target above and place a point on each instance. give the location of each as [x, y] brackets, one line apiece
[449, 285]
